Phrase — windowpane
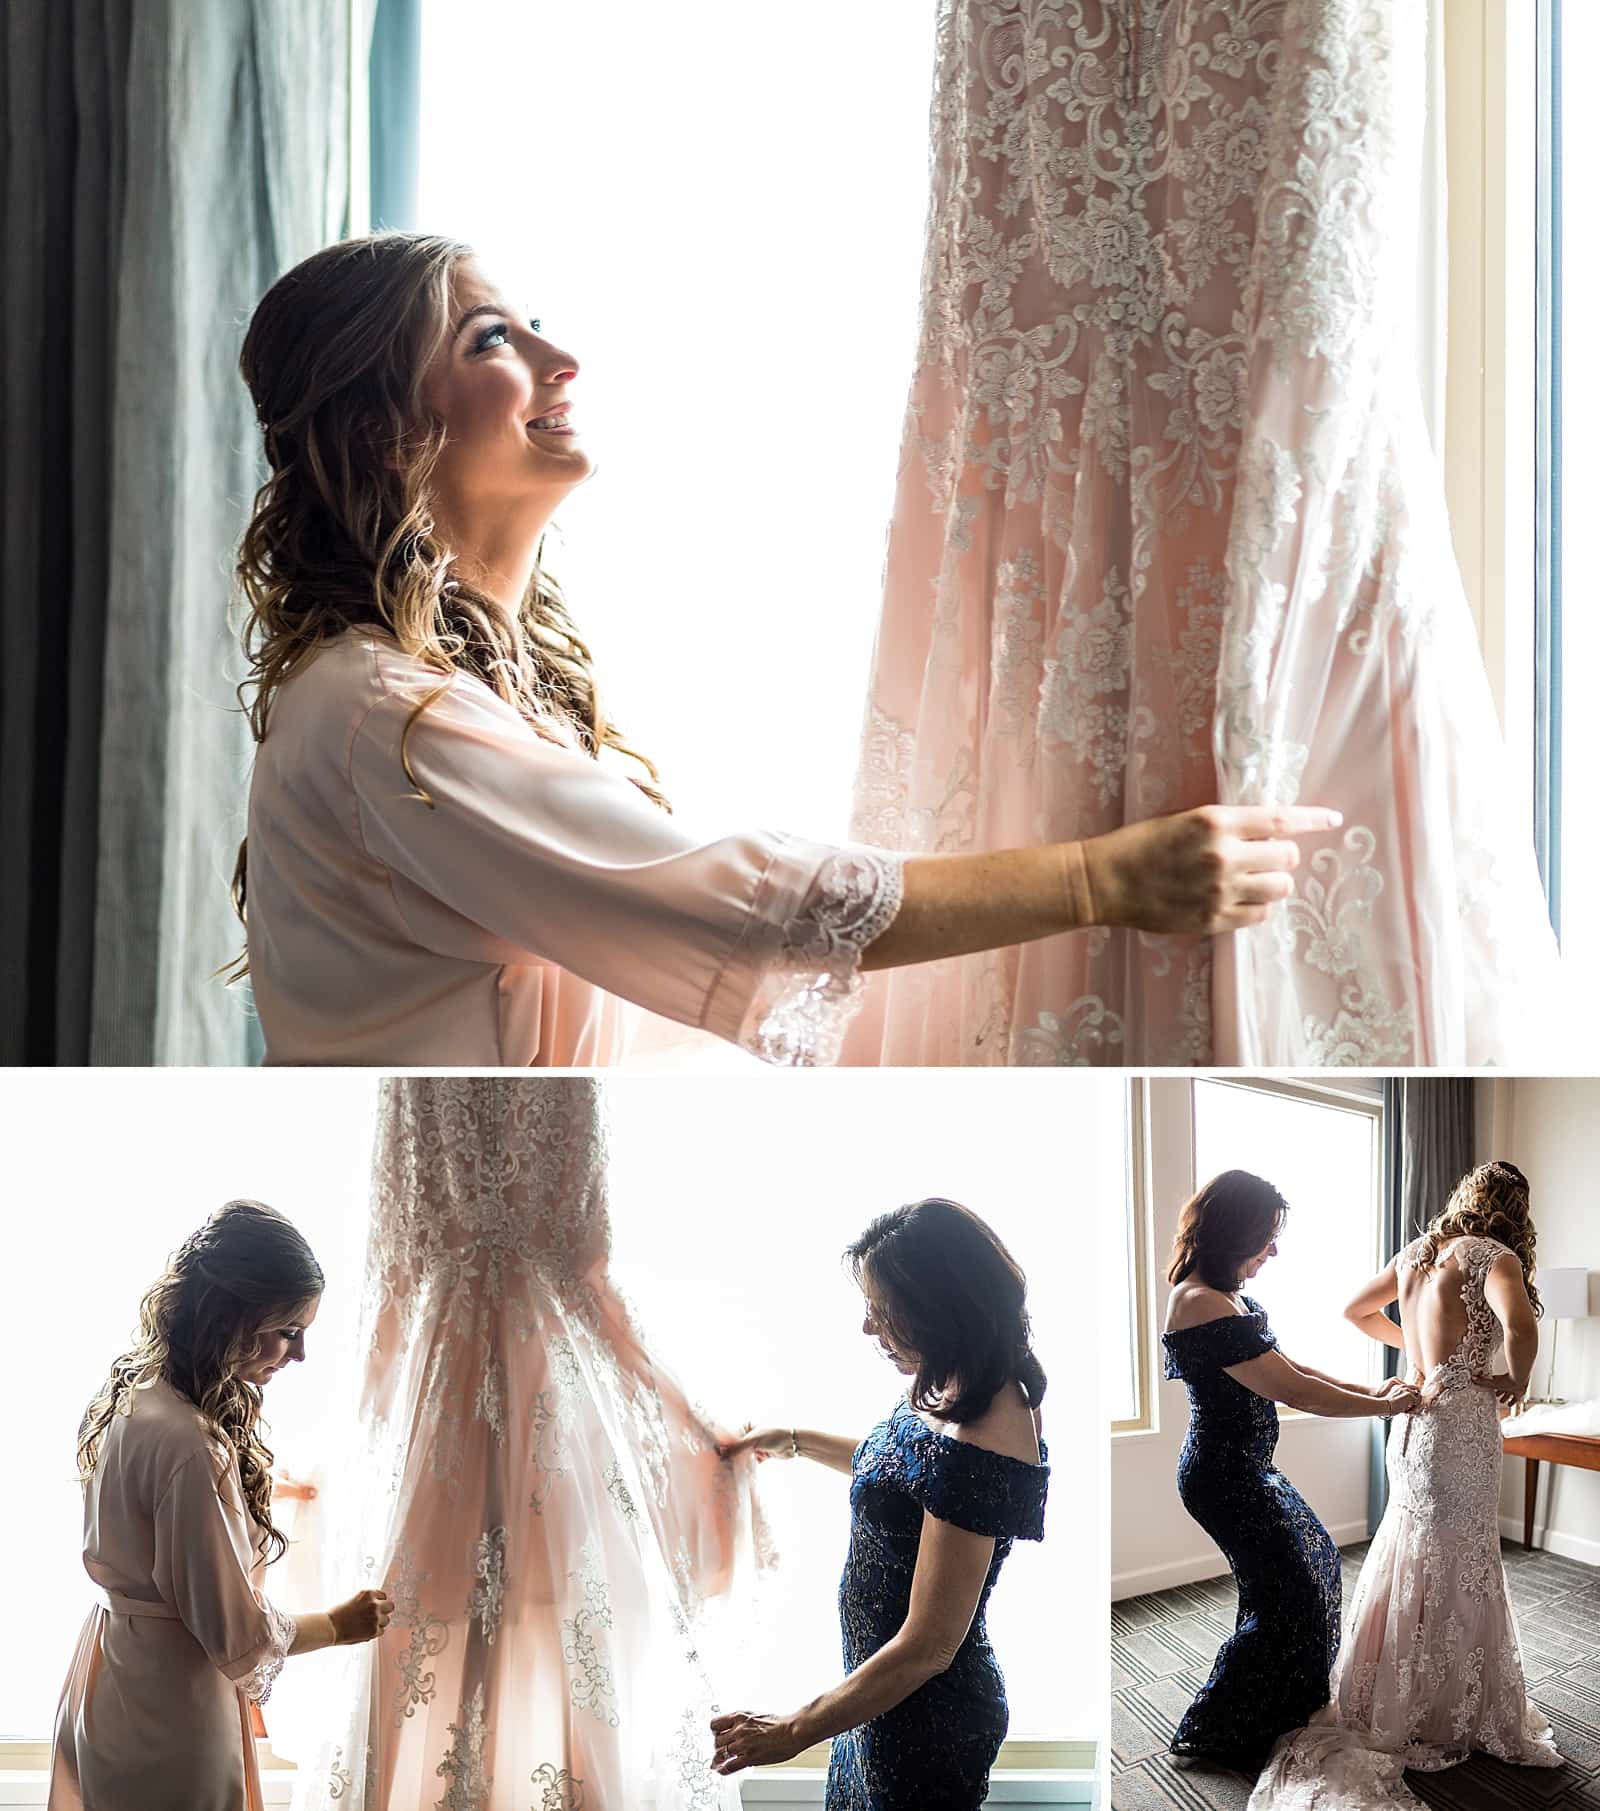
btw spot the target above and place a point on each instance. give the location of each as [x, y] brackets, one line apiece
[1324, 1160]
[719, 211]
[1126, 1286]
[1577, 469]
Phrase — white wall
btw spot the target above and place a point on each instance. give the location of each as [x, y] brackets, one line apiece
[1551, 1131]
[1154, 1544]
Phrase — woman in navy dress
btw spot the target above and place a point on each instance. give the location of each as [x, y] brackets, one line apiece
[938, 1493]
[1271, 1674]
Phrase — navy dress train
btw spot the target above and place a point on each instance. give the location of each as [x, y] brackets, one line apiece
[933, 1750]
[1271, 1674]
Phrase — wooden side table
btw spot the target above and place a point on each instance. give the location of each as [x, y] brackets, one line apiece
[1582, 1450]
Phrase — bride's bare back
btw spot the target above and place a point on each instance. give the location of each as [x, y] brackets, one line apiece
[1433, 1316]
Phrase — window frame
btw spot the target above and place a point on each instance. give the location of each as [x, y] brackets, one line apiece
[1353, 1095]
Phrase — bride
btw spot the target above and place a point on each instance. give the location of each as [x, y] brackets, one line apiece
[1430, 1671]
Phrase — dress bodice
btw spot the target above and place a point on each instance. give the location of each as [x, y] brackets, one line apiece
[1221, 1409]
[922, 1751]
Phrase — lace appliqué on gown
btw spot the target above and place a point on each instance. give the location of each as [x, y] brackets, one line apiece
[544, 1505]
[1430, 1671]
[812, 985]
[1168, 530]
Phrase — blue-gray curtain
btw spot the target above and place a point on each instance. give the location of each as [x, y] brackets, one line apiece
[1429, 1140]
[394, 85]
[165, 160]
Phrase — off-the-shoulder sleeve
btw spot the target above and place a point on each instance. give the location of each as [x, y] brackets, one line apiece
[202, 1568]
[1234, 1339]
[983, 1492]
[756, 937]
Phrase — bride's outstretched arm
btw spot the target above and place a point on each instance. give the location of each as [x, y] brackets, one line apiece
[1365, 1309]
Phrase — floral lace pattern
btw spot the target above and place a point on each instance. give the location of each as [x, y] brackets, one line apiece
[1168, 530]
[257, 1686]
[551, 1511]
[812, 984]
[1430, 1670]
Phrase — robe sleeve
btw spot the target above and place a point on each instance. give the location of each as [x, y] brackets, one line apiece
[755, 936]
[202, 1568]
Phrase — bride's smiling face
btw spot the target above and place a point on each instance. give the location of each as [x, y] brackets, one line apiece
[504, 395]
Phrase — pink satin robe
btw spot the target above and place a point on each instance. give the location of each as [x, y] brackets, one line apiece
[503, 919]
[155, 1713]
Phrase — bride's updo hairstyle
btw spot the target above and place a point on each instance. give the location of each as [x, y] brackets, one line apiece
[342, 533]
[1493, 1202]
[951, 1296]
[1222, 1226]
[247, 1269]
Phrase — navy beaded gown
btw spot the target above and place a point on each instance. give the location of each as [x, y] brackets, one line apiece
[1271, 1674]
[933, 1750]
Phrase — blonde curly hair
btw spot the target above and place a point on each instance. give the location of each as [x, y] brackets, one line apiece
[246, 1269]
[1492, 1202]
[342, 533]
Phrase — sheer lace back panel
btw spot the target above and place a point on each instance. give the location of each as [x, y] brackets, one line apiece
[1444, 1312]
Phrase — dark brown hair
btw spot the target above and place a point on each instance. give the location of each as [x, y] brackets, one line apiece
[199, 1321]
[951, 1296]
[1222, 1226]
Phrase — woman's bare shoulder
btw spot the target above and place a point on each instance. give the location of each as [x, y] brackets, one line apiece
[1193, 1303]
[1007, 1426]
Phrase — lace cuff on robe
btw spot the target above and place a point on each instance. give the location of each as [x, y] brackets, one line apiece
[811, 984]
[258, 1682]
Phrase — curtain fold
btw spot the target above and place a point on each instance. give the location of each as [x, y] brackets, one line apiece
[1169, 531]
[166, 160]
[1429, 1144]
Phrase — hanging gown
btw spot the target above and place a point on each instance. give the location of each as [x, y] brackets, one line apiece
[1168, 531]
[1272, 1672]
[156, 1708]
[501, 904]
[1431, 1670]
[933, 1751]
[543, 1505]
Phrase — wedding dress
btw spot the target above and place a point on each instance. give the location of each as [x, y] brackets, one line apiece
[537, 1496]
[1168, 531]
[1430, 1670]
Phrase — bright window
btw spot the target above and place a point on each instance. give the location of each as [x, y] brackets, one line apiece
[1323, 1157]
[1320, 1146]
[1569, 372]
[731, 1205]
[719, 211]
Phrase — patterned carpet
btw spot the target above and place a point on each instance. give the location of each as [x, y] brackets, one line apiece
[1162, 1648]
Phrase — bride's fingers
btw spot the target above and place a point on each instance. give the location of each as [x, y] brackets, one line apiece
[1266, 856]
[1262, 889]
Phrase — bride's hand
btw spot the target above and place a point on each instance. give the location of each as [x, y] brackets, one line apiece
[1199, 873]
[744, 1738]
[1499, 1384]
[764, 1442]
